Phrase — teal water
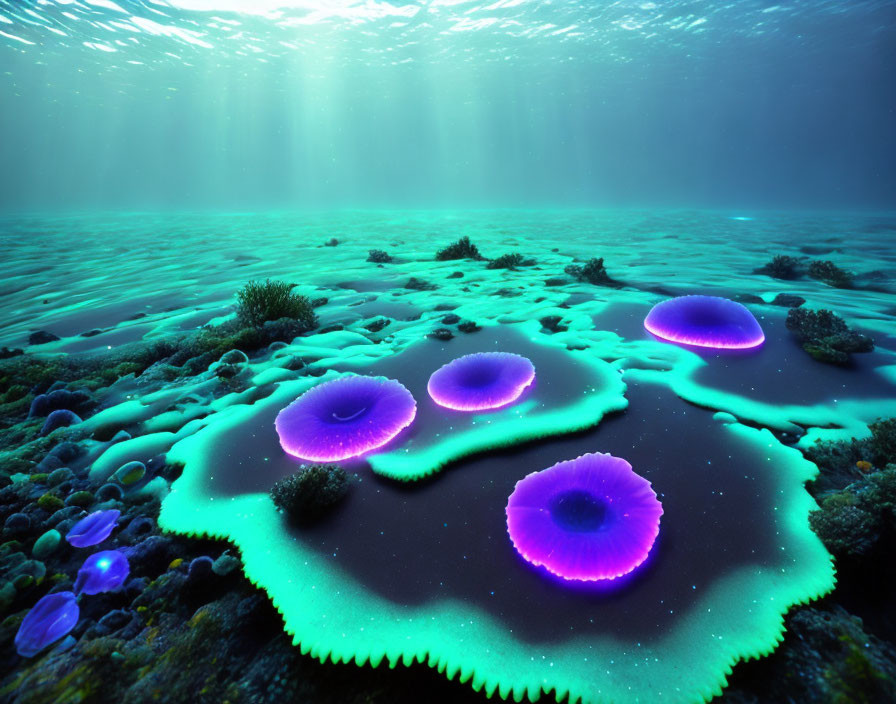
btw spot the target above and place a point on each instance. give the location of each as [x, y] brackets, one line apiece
[224, 104]
[160, 155]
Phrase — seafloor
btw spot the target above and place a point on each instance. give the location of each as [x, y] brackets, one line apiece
[227, 601]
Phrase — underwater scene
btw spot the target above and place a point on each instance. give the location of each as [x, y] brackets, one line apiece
[368, 351]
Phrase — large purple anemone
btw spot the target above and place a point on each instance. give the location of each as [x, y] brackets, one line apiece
[345, 417]
[481, 381]
[705, 321]
[587, 519]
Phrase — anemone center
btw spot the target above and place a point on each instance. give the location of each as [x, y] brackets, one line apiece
[578, 511]
[707, 318]
[479, 376]
[348, 413]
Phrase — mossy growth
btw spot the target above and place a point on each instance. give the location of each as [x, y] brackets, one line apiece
[782, 266]
[825, 335]
[883, 441]
[510, 261]
[860, 519]
[462, 249]
[306, 495]
[261, 301]
[50, 503]
[831, 274]
[593, 272]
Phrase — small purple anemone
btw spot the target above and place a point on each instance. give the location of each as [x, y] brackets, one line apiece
[481, 381]
[93, 529]
[586, 519]
[345, 417]
[705, 321]
[51, 618]
[103, 571]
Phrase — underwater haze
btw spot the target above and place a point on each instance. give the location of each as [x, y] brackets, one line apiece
[221, 104]
[444, 351]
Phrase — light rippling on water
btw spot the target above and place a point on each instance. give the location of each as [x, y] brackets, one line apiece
[162, 31]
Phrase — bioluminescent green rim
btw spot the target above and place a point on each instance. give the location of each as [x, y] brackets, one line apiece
[603, 393]
[334, 617]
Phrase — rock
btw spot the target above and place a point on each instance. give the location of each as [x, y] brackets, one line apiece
[456, 275]
[17, 524]
[377, 325]
[451, 319]
[552, 323]
[748, 298]
[130, 473]
[139, 528]
[443, 334]
[419, 285]
[41, 337]
[80, 498]
[59, 419]
[788, 300]
[200, 568]
[46, 544]
[63, 474]
[7, 353]
[468, 327]
[109, 492]
[225, 564]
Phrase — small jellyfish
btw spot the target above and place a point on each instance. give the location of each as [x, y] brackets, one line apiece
[102, 572]
[51, 618]
[93, 529]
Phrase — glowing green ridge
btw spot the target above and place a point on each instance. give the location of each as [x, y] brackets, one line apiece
[510, 426]
[332, 616]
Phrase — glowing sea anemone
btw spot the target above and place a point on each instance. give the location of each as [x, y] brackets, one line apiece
[103, 571]
[93, 529]
[705, 321]
[481, 381]
[345, 417]
[50, 619]
[586, 519]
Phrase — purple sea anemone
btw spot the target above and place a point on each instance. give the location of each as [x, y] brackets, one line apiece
[345, 417]
[51, 618]
[102, 572]
[587, 519]
[93, 529]
[481, 381]
[705, 321]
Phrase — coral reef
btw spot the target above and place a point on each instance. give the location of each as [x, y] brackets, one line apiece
[259, 302]
[378, 256]
[825, 336]
[310, 492]
[829, 273]
[462, 249]
[782, 266]
[861, 518]
[510, 261]
[593, 272]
